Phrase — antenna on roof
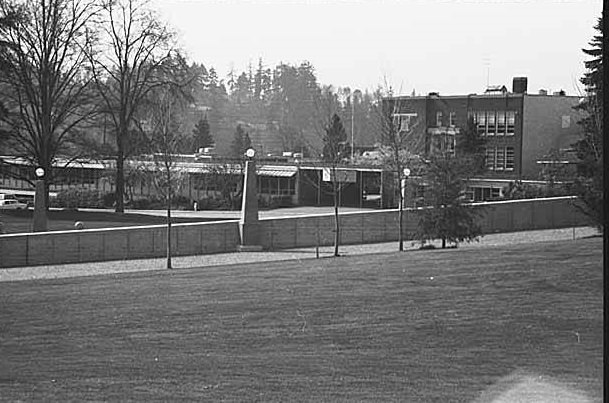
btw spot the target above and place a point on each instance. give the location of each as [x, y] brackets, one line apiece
[487, 63]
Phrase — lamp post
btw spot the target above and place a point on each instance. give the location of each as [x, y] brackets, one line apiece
[406, 174]
[39, 223]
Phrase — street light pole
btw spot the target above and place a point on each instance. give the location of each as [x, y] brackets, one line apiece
[403, 181]
[352, 125]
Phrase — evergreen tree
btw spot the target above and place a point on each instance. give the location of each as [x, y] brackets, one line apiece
[247, 142]
[202, 135]
[336, 147]
[449, 219]
[447, 173]
[589, 149]
[241, 142]
[470, 147]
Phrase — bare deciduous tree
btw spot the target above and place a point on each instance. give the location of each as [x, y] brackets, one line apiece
[132, 44]
[402, 146]
[46, 89]
[162, 111]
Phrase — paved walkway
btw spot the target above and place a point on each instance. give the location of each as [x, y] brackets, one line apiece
[235, 215]
[220, 259]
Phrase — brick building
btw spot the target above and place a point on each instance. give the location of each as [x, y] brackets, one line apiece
[520, 129]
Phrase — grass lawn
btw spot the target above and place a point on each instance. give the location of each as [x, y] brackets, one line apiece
[418, 326]
[61, 220]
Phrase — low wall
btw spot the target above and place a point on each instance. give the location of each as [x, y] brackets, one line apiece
[277, 233]
[60, 247]
[382, 225]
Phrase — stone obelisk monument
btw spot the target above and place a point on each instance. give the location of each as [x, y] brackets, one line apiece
[39, 222]
[248, 224]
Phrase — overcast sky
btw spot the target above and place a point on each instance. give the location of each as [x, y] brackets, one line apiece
[452, 47]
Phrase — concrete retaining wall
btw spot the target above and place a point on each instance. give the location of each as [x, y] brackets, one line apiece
[278, 233]
[117, 243]
[382, 225]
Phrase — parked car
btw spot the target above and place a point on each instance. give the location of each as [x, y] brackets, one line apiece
[12, 204]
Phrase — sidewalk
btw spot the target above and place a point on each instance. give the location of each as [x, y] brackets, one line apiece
[221, 259]
[236, 214]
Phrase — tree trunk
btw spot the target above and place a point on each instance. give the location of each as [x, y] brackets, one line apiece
[336, 220]
[120, 184]
[120, 165]
[169, 221]
[443, 243]
[401, 223]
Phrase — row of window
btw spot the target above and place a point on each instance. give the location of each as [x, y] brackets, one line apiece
[489, 123]
[483, 193]
[499, 158]
[495, 123]
[76, 176]
[266, 184]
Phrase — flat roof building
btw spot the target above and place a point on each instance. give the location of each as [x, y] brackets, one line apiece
[519, 128]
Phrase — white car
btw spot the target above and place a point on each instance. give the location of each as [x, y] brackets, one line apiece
[12, 204]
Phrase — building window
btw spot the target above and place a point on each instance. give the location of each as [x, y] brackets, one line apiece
[404, 121]
[439, 119]
[481, 193]
[481, 122]
[442, 142]
[452, 119]
[491, 129]
[469, 193]
[500, 159]
[500, 123]
[490, 158]
[509, 158]
[510, 117]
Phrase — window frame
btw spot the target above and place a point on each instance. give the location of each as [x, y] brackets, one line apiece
[452, 119]
[510, 158]
[491, 123]
[439, 118]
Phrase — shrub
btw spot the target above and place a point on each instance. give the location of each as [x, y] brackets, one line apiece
[79, 198]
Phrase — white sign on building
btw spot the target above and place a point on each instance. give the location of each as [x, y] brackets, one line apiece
[342, 176]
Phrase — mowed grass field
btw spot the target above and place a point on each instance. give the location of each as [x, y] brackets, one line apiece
[418, 326]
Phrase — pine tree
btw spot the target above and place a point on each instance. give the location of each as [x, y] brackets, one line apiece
[247, 142]
[451, 219]
[241, 142]
[589, 149]
[336, 147]
[470, 146]
[202, 135]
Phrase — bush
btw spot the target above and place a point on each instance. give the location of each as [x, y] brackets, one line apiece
[79, 198]
[159, 203]
[212, 203]
[519, 190]
[109, 199]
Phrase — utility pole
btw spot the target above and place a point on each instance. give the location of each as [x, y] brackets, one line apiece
[356, 92]
[352, 124]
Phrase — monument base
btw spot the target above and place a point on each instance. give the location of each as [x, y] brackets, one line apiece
[39, 222]
[249, 248]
